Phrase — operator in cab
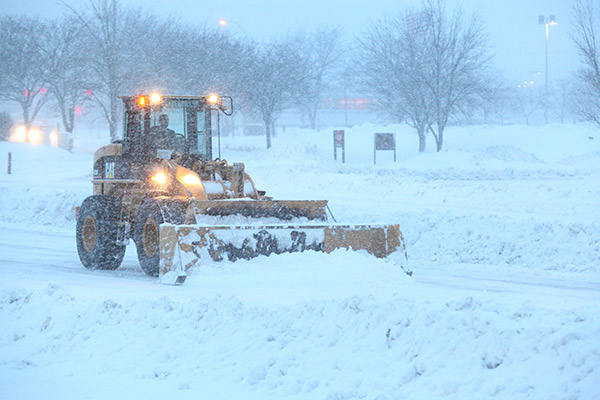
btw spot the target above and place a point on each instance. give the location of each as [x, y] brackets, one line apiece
[161, 136]
[162, 141]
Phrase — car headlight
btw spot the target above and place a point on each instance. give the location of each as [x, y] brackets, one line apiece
[35, 136]
[20, 134]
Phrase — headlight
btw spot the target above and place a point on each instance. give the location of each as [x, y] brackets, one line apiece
[190, 180]
[159, 178]
[213, 99]
[54, 138]
[35, 136]
[20, 134]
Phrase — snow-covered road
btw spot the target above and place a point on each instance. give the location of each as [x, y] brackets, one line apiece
[52, 258]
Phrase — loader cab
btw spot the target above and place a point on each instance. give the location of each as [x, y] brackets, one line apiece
[188, 130]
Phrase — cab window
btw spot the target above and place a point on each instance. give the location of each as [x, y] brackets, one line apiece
[176, 119]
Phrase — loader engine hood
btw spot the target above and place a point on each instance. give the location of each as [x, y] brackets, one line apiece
[191, 182]
[202, 180]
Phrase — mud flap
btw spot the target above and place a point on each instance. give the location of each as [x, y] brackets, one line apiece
[183, 246]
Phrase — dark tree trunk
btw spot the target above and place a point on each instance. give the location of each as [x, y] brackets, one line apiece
[26, 118]
[312, 117]
[68, 114]
[69, 122]
[267, 121]
[439, 137]
[422, 142]
[439, 140]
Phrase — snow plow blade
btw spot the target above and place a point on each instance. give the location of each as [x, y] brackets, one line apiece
[183, 246]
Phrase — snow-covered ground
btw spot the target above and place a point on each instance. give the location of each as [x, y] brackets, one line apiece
[503, 238]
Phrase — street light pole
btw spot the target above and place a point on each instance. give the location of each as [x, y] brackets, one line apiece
[224, 22]
[550, 20]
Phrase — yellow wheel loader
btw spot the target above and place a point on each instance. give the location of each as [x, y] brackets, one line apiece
[161, 187]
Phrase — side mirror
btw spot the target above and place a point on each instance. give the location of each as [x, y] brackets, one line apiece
[226, 105]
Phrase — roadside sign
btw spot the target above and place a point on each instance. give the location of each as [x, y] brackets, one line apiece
[384, 141]
[339, 141]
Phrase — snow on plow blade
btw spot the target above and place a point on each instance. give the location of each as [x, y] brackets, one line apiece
[183, 246]
[281, 209]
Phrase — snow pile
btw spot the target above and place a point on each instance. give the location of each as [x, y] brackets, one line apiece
[45, 184]
[510, 242]
[511, 154]
[408, 346]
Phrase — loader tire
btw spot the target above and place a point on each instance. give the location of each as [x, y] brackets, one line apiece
[151, 214]
[146, 236]
[97, 232]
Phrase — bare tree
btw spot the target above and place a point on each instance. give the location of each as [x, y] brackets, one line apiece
[22, 72]
[425, 67]
[65, 58]
[586, 18]
[323, 52]
[201, 59]
[563, 98]
[460, 62]
[274, 77]
[493, 104]
[526, 100]
[390, 66]
[6, 125]
[115, 39]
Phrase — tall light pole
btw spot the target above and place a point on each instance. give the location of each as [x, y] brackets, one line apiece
[225, 22]
[548, 21]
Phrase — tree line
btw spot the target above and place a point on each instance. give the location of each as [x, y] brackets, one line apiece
[426, 66]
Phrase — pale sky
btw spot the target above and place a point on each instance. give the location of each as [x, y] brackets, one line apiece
[518, 40]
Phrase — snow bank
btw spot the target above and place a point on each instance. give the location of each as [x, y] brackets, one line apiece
[497, 240]
[408, 346]
[45, 186]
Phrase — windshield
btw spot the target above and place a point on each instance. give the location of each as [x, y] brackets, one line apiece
[167, 132]
[175, 126]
